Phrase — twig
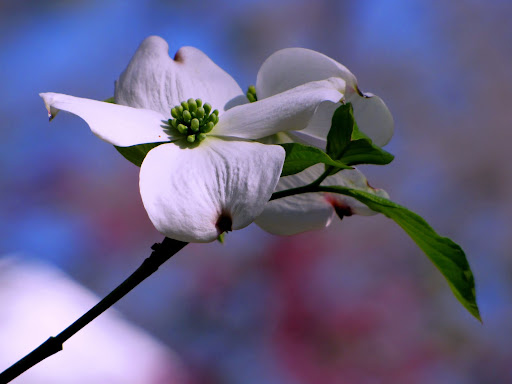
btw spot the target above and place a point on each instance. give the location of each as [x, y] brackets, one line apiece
[161, 253]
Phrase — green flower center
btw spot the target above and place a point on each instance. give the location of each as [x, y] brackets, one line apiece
[193, 119]
[251, 94]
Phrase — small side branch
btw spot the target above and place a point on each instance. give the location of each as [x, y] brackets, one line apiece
[161, 253]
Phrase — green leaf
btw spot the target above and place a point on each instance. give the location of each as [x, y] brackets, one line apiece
[446, 255]
[346, 143]
[362, 151]
[299, 157]
[340, 134]
[109, 100]
[136, 153]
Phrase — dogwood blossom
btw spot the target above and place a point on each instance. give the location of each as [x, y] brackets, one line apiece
[294, 67]
[207, 177]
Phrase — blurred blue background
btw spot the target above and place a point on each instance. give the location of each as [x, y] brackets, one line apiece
[356, 303]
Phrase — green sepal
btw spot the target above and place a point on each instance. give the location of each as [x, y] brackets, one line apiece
[346, 143]
[221, 237]
[300, 156]
[136, 153]
[446, 255]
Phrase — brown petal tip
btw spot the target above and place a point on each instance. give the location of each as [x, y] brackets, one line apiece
[224, 223]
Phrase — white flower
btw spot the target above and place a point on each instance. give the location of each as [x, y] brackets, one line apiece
[195, 191]
[295, 67]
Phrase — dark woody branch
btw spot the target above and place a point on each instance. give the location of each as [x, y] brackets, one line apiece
[161, 253]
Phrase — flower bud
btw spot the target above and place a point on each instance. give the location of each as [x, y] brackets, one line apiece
[192, 106]
[200, 113]
[208, 127]
[182, 129]
[207, 109]
[194, 125]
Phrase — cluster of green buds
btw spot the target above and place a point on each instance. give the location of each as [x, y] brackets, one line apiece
[251, 94]
[193, 119]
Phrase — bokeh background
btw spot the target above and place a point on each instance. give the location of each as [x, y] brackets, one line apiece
[356, 303]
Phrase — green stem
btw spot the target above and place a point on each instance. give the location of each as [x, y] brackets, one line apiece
[294, 191]
[313, 187]
[161, 253]
[323, 176]
[310, 188]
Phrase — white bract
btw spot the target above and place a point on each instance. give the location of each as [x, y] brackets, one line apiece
[201, 181]
[295, 67]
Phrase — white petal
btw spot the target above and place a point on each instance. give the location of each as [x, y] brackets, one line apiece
[115, 124]
[299, 213]
[187, 190]
[310, 211]
[291, 67]
[154, 81]
[287, 111]
[316, 132]
[373, 117]
[370, 112]
[351, 178]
